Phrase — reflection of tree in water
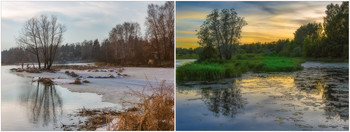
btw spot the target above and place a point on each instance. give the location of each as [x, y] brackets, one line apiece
[227, 101]
[43, 103]
[331, 84]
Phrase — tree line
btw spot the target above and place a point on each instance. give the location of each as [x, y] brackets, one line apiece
[220, 33]
[125, 44]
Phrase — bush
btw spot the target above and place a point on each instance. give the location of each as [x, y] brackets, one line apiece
[46, 81]
[207, 53]
[76, 81]
[155, 112]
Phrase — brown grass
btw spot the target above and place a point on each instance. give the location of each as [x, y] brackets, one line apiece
[154, 112]
[96, 118]
[76, 81]
[30, 70]
[72, 74]
[46, 81]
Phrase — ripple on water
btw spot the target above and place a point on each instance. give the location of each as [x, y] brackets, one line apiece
[315, 98]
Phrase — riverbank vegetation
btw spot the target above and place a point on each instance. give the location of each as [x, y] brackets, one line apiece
[214, 69]
[221, 55]
[154, 112]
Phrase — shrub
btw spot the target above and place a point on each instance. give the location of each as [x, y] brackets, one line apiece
[154, 112]
[76, 81]
[46, 81]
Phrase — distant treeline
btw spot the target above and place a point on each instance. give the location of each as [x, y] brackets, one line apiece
[125, 44]
[329, 39]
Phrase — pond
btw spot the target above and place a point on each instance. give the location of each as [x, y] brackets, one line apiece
[315, 98]
[28, 105]
[181, 62]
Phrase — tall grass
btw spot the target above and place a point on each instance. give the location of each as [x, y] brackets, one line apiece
[281, 64]
[216, 69]
[201, 71]
[154, 112]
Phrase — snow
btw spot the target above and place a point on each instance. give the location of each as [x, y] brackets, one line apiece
[112, 89]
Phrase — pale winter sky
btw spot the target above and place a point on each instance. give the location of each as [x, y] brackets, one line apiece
[267, 20]
[83, 20]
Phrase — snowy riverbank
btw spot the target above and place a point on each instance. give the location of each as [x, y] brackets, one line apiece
[112, 89]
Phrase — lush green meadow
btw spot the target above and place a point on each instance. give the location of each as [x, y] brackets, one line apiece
[215, 69]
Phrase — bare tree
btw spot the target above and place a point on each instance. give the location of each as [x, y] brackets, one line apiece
[42, 36]
[124, 39]
[28, 38]
[160, 29]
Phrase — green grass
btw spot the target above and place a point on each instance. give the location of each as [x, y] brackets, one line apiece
[216, 69]
[187, 56]
[281, 64]
[195, 71]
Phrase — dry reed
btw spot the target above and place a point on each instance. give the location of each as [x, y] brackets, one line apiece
[155, 111]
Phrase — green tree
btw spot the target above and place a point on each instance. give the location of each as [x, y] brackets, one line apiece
[336, 25]
[222, 31]
[311, 30]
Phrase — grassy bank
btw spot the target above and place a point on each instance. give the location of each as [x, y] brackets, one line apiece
[187, 56]
[218, 69]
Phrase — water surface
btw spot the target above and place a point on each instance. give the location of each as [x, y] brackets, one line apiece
[180, 62]
[315, 98]
[28, 105]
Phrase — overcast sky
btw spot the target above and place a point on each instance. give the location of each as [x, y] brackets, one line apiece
[267, 21]
[83, 20]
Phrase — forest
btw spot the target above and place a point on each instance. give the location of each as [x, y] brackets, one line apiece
[319, 41]
[124, 46]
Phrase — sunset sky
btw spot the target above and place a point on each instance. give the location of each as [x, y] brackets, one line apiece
[267, 21]
[84, 20]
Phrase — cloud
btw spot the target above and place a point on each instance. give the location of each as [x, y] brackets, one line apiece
[267, 20]
[84, 20]
[186, 42]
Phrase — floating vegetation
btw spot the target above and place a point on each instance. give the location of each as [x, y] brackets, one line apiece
[282, 110]
[280, 119]
[298, 113]
[303, 126]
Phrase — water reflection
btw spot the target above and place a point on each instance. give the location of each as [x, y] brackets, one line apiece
[43, 103]
[331, 85]
[311, 99]
[225, 101]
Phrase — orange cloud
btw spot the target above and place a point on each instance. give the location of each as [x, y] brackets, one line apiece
[187, 42]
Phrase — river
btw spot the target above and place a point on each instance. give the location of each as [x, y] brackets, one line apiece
[315, 98]
[28, 105]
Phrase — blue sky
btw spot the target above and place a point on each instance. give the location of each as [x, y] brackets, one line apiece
[267, 20]
[84, 20]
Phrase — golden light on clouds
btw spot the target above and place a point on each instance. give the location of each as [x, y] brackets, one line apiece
[191, 15]
[267, 21]
[187, 42]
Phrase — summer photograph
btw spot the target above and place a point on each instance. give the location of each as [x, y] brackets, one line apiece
[262, 65]
[86, 66]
